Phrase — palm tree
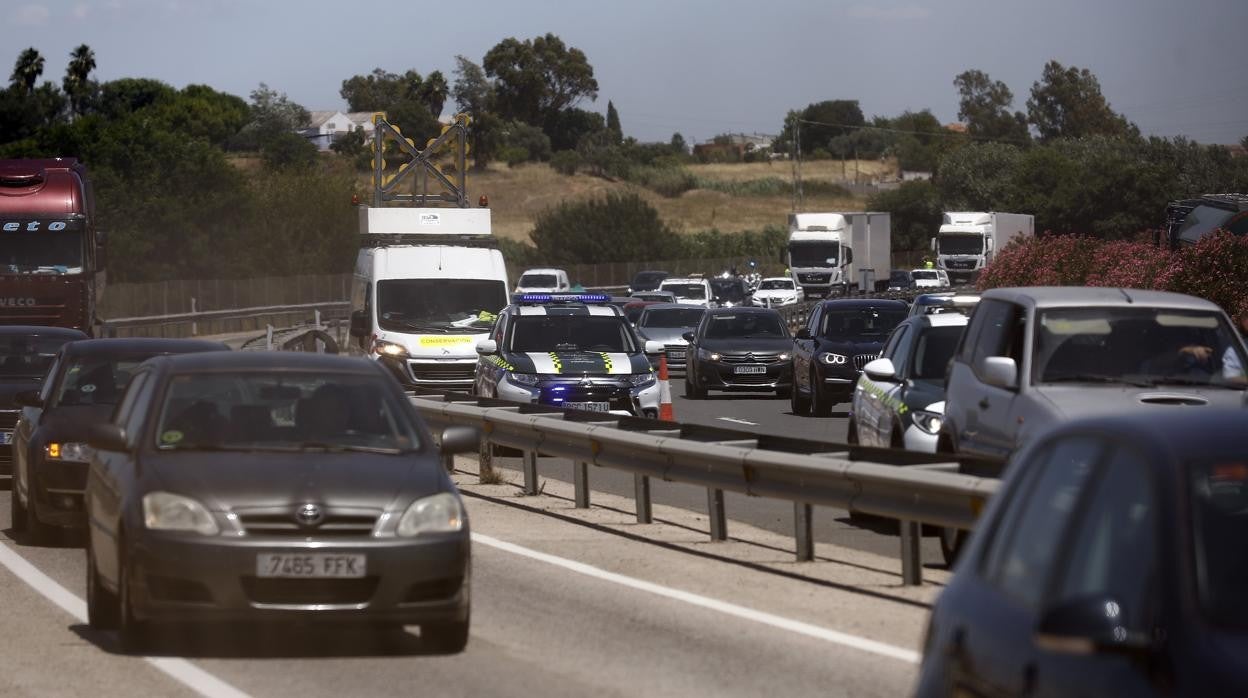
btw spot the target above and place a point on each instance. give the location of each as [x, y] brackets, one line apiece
[77, 76]
[433, 92]
[27, 70]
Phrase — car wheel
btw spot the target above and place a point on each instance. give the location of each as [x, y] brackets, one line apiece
[693, 391]
[820, 405]
[445, 638]
[103, 608]
[135, 634]
[896, 441]
[17, 511]
[798, 404]
[851, 432]
[952, 541]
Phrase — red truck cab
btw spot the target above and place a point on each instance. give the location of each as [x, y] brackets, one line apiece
[51, 255]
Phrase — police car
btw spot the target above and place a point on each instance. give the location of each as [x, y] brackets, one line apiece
[575, 351]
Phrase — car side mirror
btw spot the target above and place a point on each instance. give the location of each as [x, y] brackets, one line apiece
[359, 324]
[459, 440]
[880, 370]
[28, 398]
[655, 347]
[804, 333]
[849, 256]
[487, 347]
[107, 437]
[687, 336]
[1089, 625]
[999, 371]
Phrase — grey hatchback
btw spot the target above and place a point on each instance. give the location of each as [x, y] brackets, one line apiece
[276, 487]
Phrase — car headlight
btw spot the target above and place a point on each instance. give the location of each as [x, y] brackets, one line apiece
[164, 511]
[530, 379]
[708, 355]
[785, 356]
[642, 380]
[831, 359]
[929, 422]
[440, 513]
[383, 348]
[69, 452]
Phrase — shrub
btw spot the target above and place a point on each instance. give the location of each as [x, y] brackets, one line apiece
[1215, 268]
[664, 181]
[566, 162]
[513, 155]
[613, 228]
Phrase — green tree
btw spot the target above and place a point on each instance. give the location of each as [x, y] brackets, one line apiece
[474, 94]
[536, 80]
[1067, 103]
[819, 123]
[614, 228]
[984, 105]
[275, 121]
[27, 70]
[126, 95]
[77, 82]
[613, 123]
[916, 213]
[409, 100]
[979, 177]
[678, 144]
[572, 126]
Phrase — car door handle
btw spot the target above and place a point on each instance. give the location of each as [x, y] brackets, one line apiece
[983, 404]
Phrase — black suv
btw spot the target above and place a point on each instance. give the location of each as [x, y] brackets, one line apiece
[841, 337]
[739, 349]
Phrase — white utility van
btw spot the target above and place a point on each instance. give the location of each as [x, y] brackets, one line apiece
[428, 284]
[543, 281]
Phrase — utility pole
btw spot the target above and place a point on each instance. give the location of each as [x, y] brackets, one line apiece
[795, 152]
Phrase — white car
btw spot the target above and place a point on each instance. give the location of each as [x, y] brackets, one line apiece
[930, 278]
[689, 291]
[543, 281]
[777, 291]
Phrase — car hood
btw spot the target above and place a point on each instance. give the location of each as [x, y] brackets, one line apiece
[667, 335]
[579, 363]
[237, 480]
[9, 387]
[70, 422]
[851, 347]
[744, 344]
[1075, 401]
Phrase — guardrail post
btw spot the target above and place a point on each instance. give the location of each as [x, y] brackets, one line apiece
[194, 325]
[268, 338]
[715, 507]
[803, 531]
[530, 473]
[580, 477]
[911, 555]
[485, 460]
[641, 493]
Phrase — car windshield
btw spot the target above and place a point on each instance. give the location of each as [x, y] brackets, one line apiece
[689, 291]
[549, 333]
[1219, 490]
[933, 351]
[282, 411]
[776, 285]
[925, 275]
[960, 244]
[859, 323]
[96, 380]
[814, 254]
[728, 290]
[945, 307]
[537, 281]
[746, 325]
[447, 306]
[899, 277]
[44, 252]
[26, 356]
[647, 280]
[1137, 346]
[672, 317]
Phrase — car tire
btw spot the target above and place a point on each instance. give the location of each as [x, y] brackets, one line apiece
[896, 441]
[798, 404]
[103, 607]
[820, 406]
[135, 635]
[692, 390]
[851, 432]
[445, 638]
[952, 542]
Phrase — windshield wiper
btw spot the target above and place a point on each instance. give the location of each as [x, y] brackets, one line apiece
[342, 448]
[1181, 380]
[422, 326]
[1096, 378]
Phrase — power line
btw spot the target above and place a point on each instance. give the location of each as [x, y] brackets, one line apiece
[942, 133]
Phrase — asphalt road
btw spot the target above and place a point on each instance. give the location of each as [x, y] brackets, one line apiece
[616, 617]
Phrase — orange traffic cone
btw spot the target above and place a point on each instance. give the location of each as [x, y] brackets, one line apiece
[665, 392]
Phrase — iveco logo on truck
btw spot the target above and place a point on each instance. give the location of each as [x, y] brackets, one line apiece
[17, 302]
[33, 226]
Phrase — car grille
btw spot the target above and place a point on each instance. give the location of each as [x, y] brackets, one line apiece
[283, 524]
[960, 264]
[750, 358]
[750, 379]
[8, 419]
[861, 360]
[306, 592]
[441, 372]
[814, 278]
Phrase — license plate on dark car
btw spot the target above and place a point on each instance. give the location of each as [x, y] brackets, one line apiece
[311, 565]
[589, 406]
[750, 369]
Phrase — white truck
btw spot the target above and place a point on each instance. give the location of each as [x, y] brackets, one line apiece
[967, 240]
[428, 283]
[822, 247]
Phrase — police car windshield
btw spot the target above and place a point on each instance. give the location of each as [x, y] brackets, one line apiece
[672, 317]
[691, 291]
[44, 252]
[552, 333]
[28, 357]
[933, 352]
[448, 306]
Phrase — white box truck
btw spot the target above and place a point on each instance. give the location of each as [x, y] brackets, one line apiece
[967, 240]
[821, 251]
[428, 283]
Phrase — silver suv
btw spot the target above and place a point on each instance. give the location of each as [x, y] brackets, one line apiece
[1033, 357]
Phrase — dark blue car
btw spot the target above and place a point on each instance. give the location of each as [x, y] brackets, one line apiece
[1112, 563]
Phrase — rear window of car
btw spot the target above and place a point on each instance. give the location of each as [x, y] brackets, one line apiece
[695, 291]
[538, 281]
[672, 317]
[264, 410]
[96, 380]
[28, 357]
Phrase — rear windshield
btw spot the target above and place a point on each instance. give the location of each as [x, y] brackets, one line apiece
[537, 281]
[96, 380]
[547, 333]
[28, 357]
[648, 280]
[672, 317]
[1220, 527]
[747, 325]
[926, 275]
[852, 323]
[691, 291]
[776, 285]
[258, 410]
[728, 289]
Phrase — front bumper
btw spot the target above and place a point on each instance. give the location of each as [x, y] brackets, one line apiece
[719, 375]
[58, 486]
[442, 374]
[619, 397]
[189, 577]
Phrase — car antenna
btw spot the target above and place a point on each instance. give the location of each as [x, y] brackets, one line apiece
[1126, 295]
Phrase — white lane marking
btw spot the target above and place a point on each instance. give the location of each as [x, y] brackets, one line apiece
[780, 622]
[188, 674]
[738, 421]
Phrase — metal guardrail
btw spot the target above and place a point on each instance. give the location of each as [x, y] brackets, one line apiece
[327, 311]
[910, 487]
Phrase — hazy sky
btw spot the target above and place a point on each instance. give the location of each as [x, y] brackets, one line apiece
[701, 67]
